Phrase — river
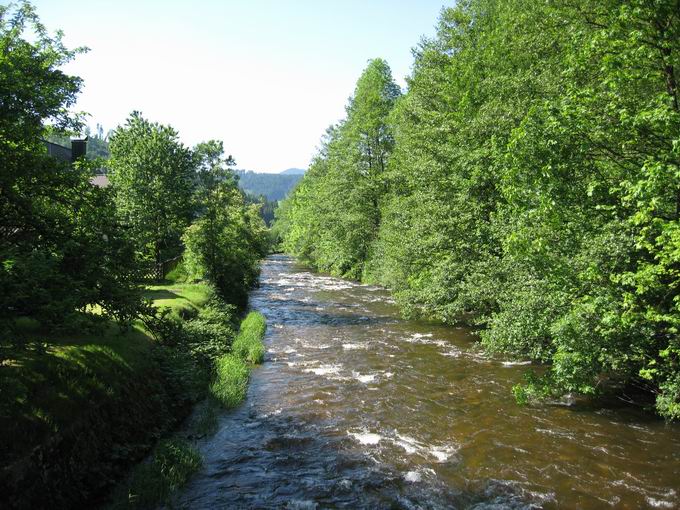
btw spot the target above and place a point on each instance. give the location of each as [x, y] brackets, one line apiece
[357, 408]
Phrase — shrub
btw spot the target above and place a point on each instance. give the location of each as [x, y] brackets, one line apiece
[204, 339]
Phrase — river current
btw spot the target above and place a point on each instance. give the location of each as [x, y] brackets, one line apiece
[357, 408]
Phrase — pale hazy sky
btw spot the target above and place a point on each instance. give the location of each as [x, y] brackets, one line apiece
[266, 77]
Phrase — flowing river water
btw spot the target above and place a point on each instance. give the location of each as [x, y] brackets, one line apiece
[357, 408]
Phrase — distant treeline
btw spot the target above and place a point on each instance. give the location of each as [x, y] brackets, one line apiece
[274, 187]
[527, 182]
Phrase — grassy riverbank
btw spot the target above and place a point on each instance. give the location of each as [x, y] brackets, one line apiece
[174, 461]
[78, 408]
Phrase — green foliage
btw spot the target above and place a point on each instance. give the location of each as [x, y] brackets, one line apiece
[231, 380]
[532, 187]
[152, 483]
[332, 217]
[77, 405]
[205, 420]
[224, 245]
[265, 206]
[152, 175]
[248, 343]
[273, 187]
[84, 391]
[45, 386]
[202, 337]
[61, 249]
[178, 274]
[184, 300]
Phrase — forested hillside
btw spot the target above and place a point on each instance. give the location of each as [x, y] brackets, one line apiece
[274, 187]
[527, 182]
[294, 171]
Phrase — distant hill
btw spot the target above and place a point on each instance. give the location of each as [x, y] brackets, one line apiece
[273, 186]
[294, 171]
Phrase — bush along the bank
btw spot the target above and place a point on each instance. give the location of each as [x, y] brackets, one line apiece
[153, 482]
[199, 358]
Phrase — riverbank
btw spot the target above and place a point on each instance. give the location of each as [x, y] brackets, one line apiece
[357, 407]
[154, 481]
[79, 409]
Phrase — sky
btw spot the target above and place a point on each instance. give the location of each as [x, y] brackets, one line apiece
[266, 77]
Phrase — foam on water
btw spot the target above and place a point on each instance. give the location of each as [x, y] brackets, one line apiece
[425, 339]
[515, 363]
[367, 438]
[350, 347]
[442, 453]
[324, 370]
[409, 444]
[413, 476]
[366, 378]
[452, 353]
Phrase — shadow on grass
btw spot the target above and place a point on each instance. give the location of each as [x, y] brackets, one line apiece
[155, 294]
[44, 389]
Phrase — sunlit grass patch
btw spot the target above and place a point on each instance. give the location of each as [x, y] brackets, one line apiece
[183, 299]
[231, 380]
[248, 344]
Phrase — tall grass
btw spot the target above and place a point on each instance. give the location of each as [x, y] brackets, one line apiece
[152, 483]
[231, 380]
[248, 344]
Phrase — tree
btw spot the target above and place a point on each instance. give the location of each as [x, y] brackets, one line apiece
[336, 207]
[60, 247]
[225, 243]
[153, 177]
[532, 188]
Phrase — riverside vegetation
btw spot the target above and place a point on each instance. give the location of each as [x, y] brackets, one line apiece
[527, 182]
[102, 351]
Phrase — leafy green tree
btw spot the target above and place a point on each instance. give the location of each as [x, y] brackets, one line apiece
[336, 207]
[532, 188]
[60, 247]
[615, 188]
[153, 176]
[224, 245]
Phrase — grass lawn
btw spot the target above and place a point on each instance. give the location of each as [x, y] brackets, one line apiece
[58, 380]
[47, 386]
[183, 299]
